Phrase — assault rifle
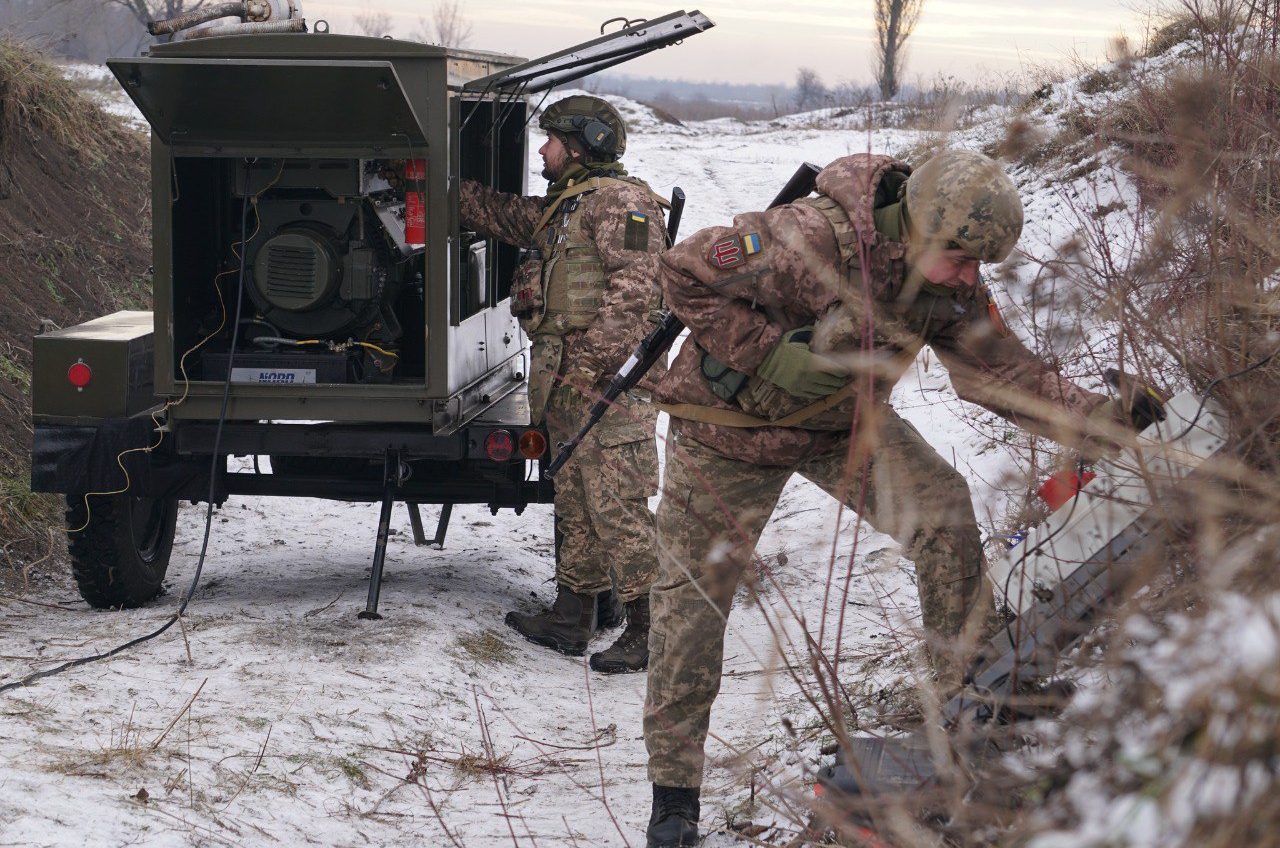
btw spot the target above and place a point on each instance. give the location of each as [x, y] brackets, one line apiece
[654, 346]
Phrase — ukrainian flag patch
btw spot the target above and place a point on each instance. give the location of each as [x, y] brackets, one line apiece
[636, 235]
[751, 243]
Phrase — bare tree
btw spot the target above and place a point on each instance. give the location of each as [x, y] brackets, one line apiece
[375, 24]
[895, 21]
[810, 90]
[448, 25]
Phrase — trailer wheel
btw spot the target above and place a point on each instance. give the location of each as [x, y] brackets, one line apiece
[120, 557]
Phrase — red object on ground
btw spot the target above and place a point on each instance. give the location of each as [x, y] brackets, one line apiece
[1063, 486]
[415, 201]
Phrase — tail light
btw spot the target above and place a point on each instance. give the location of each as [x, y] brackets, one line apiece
[532, 444]
[499, 445]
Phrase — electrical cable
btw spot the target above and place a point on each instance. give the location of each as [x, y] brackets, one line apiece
[1080, 470]
[182, 368]
[213, 478]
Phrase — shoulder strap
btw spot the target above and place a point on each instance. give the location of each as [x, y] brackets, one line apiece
[845, 232]
[592, 185]
[734, 418]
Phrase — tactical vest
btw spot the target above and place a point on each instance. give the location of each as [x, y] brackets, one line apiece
[573, 284]
[573, 275]
[834, 332]
[765, 404]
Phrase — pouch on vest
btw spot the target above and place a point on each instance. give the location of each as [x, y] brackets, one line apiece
[527, 301]
[724, 382]
[544, 365]
[833, 333]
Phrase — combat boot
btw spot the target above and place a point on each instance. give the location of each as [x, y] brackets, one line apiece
[566, 626]
[631, 651]
[674, 821]
[609, 612]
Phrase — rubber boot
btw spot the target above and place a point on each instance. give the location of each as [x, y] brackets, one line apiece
[674, 820]
[566, 627]
[631, 651]
[609, 612]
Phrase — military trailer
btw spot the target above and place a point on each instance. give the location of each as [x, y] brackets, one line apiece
[316, 301]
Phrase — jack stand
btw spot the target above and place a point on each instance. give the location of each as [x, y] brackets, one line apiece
[390, 482]
[442, 526]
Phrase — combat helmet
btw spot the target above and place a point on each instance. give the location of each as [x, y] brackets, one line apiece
[963, 199]
[589, 121]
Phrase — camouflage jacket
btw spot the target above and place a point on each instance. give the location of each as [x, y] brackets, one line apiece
[739, 288]
[597, 351]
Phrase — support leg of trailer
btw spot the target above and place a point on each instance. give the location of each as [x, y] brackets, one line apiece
[390, 481]
[442, 526]
[415, 521]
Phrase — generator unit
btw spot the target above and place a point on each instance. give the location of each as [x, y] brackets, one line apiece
[316, 300]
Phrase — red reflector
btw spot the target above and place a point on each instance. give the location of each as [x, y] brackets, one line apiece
[532, 444]
[79, 375]
[499, 445]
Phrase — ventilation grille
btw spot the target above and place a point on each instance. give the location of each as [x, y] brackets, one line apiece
[292, 279]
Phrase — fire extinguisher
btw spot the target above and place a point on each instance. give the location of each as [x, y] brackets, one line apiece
[415, 202]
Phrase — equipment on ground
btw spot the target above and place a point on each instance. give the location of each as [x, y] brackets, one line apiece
[317, 302]
[654, 346]
[1057, 582]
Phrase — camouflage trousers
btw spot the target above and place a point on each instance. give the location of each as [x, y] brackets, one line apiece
[604, 525]
[712, 512]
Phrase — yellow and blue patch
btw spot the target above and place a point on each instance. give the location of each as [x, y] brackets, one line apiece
[732, 251]
[636, 235]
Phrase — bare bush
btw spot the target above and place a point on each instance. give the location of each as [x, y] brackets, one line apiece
[373, 23]
[448, 25]
[810, 90]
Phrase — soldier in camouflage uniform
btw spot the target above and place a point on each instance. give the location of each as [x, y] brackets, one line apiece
[802, 319]
[584, 295]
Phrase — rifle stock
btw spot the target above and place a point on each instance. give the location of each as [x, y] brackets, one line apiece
[653, 346]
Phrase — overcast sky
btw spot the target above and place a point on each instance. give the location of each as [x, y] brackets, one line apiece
[766, 40]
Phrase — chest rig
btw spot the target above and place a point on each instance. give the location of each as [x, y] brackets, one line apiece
[573, 277]
[561, 286]
[559, 289]
[838, 331]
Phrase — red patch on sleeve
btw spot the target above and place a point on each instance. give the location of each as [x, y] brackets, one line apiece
[727, 253]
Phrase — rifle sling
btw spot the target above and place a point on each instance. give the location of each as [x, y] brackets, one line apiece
[734, 418]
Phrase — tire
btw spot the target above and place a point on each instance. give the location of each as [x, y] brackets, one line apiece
[120, 557]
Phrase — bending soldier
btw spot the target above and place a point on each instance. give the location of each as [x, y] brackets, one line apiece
[780, 307]
[583, 295]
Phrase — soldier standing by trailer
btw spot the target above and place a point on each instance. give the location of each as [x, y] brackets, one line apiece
[584, 295]
[780, 306]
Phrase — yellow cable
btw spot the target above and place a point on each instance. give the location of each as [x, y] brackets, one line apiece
[383, 351]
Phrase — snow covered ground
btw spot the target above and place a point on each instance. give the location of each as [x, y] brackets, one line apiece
[277, 717]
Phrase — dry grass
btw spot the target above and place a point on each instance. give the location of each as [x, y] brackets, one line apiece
[35, 98]
[484, 647]
[74, 220]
